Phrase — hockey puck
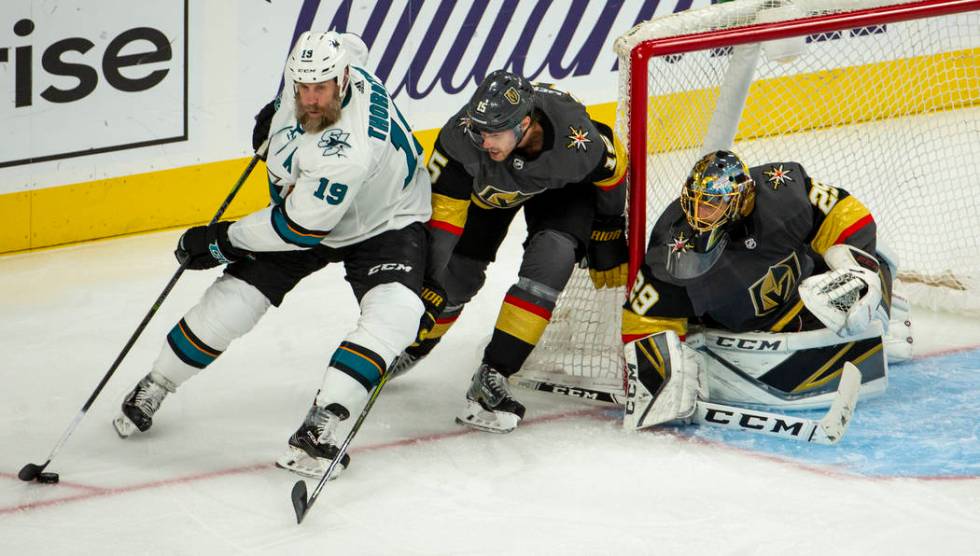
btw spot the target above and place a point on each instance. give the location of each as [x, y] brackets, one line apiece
[48, 478]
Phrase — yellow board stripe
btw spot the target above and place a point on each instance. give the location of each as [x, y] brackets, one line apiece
[130, 204]
[822, 99]
[177, 197]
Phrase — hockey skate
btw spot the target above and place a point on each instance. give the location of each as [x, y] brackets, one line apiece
[139, 406]
[313, 447]
[403, 363]
[489, 404]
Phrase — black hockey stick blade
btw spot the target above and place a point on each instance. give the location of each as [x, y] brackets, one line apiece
[300, 503]
[31, 471]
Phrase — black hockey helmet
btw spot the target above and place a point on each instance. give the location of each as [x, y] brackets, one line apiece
[500, 103]
[719, 180]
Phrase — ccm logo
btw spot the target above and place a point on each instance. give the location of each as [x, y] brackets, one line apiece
[389, 266]
[576, 393]
[748, 344]
[752, 421]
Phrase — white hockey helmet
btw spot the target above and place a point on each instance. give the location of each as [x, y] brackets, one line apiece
[319, 57]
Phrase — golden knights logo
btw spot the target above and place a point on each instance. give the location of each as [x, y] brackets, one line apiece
[491, 197]
[776, 287]
[512, 96]
[578, 139]
[777, 177]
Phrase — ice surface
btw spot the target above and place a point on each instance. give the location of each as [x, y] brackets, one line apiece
[568, 481]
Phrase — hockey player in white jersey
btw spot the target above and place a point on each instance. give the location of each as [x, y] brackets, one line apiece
[347, 186]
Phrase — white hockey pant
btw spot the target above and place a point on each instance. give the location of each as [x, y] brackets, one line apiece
[229, 308]
[389, 319]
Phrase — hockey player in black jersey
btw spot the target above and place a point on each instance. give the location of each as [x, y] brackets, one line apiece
[518, 145]
[758, 284]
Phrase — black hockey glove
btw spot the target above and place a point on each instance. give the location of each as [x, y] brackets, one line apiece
[607, 252]
[263, 120]
[206, 247]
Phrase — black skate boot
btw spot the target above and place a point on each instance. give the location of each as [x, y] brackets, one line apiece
[313, 447]
[403, 363]
[140, 405]
[489, 404]
[409, 358]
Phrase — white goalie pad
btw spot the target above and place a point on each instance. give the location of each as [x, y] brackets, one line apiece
[665, 379]
[847, 297]
[736, 363]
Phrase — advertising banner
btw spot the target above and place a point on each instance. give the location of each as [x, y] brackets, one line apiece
[81, 77]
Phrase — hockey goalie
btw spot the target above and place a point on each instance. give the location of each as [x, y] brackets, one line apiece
[760, 287]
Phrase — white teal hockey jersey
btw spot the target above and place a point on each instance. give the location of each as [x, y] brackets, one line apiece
[362, 176]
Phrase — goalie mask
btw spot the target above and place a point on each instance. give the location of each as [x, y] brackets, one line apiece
[500, 103]
[319, 57]
[719, 190]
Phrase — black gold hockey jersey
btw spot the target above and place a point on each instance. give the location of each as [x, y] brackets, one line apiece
[753, 286]
[576, 149]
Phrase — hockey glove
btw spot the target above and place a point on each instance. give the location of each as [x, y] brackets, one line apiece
[847, 297]
[263, 120]
[434, 299]
[607, 252]
[204, 247]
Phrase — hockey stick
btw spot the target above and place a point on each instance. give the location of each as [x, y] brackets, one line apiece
[580, 392]
[33, 471]
[828, 430]
[301, 503]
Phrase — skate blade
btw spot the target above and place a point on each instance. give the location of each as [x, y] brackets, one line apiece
[487, 420]
[299, 462]
[124, 427]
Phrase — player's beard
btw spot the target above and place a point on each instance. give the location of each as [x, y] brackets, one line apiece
[329, 114]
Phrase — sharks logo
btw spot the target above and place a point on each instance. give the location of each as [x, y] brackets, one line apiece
[334, 142]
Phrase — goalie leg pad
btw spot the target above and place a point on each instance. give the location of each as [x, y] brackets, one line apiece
[665, 378]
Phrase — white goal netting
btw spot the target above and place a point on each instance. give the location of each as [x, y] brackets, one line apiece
[884, 106]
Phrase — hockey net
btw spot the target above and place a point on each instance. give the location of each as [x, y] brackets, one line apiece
[878, 97]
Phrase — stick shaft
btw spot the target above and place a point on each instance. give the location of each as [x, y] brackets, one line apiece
[153, 310]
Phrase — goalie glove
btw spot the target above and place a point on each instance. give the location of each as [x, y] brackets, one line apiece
[847, 297]
[607, 252]
[203, 247]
